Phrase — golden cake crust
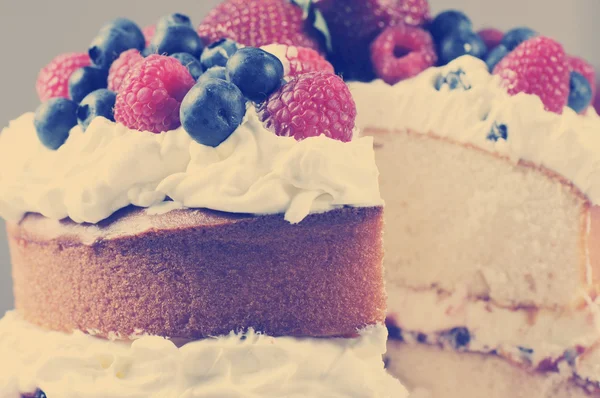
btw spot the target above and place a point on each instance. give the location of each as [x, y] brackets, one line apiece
[197, 273]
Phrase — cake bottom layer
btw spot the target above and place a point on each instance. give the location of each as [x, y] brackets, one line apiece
[453, 374]
[242, 366]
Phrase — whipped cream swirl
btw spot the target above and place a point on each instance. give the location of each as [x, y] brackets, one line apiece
[110, 167]
[79, 365]
[568, 144]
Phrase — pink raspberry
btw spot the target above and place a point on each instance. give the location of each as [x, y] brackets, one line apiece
[537, 66]
[121, 66]
[301, 59]
[150, 95]
[148, 32]
[312, 104]
[401, 52]
[491, 37]
[53, 79]
[580, 65]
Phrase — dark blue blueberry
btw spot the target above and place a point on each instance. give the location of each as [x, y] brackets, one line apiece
[85, 80]
[98, 103]
[173, 19]
[218, 53]
[192, 64]
[394, 333]
[212, 110]
[53, 120]
[454, 80]
[516, 36]
[216, 72]
[498, 131]
[39, 394]
[256, 72]
[459, 337]
[580, 96]
[422, 338]
[495, 56]
[177, 39]
[461, 43]
[448, 22]
[114, 38]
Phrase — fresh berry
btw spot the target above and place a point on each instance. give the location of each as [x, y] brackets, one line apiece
[516, 36]
[218, 53]
[53, 79]
[313, 104]
[121, 66]
[580, 65]
[216, 72]
[114, 38]
[258, 23]
[53, 121]
[461, 43]
[491, 37]
[98, 103]
[177, 39]
[151, 94]
[401, 52]
[148, 32]
[453, 80]
[596, 103]
[537, 66]
[580, 94]
[212, 110]
[85, 80]
[173, 19]
[191, 63]
[256, 72]
[40, 394]
[495, 56]
[299, 59]
[449, 22]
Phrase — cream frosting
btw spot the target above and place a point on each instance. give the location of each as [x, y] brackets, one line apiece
[568, 144]
[79, 365]
[110, 167]
[527, 336]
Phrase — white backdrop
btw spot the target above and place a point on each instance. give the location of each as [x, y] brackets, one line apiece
[33, 31]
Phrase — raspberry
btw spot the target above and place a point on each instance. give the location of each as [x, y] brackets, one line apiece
[148, 32]
[580, 65]
[300, 59]
[312, 104]
[53, 79]
[537, 66]
[151, 94]
[491, 37]
[401, 52]
[258, 23]
[121, 66]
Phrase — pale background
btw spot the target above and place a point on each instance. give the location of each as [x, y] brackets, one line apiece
[34, 31]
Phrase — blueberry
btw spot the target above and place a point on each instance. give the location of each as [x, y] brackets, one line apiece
[448, 22]
[454, 80]
[459, 337]
[216, 72]
[39, 394]
[85, 80]
[516, 36]
[192, 64]
[495, 56]
[580, 96]
[395, 333]
[173, 19]
[256, 72]
[53, 120]
[98, 103]
[212, 110]
[114, 38]
[461, 43]
[218, 53]
[177, 39]
[498, 131]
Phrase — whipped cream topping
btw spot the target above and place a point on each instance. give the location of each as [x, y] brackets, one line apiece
[568, 144]
[79, 365]
[110, 167]
[526, 336]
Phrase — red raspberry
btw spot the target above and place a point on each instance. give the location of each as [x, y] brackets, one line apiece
[118, 70]
[580, 65]
[312, 104]
[401, 52]
[537, 66]
[491, 37]
[301, 59]
[148, 32]
[151, 94]
[258, 23]
[53, 79]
